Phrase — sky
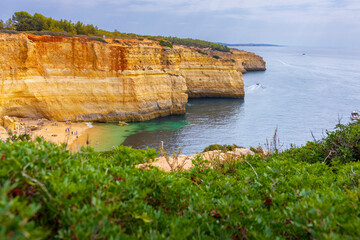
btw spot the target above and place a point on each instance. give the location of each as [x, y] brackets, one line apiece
[285, 22]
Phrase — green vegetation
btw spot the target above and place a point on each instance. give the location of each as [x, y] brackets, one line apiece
[216, 57]
[41, 25]
[258, 150]
[311, 192]
[197, 43]
[201, 52]
[338, 148]
[165, 43]
[23, 21]
[221, 147]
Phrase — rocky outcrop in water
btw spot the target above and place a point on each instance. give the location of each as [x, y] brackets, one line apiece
[72, 78]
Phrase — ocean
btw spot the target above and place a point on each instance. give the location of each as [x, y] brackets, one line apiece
[304, 92]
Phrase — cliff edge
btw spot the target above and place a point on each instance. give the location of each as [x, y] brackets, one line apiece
[79, 79]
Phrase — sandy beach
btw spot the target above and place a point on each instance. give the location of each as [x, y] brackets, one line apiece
[52, 131]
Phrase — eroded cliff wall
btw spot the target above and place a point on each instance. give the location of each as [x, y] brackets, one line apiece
[79, 79]
[207, 76]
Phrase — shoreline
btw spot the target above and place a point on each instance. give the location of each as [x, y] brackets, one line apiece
[53, 131]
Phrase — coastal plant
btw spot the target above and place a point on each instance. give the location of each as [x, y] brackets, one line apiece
[173, 161]
[273, 145]
[9, 31]
[99, 39]
[52, 33]
[260, 151]
[340, 146]
[17, 216]
[224, 147]
[127, 156]
[40, 25]
[197, 43]
[47, 192]
[223, 161]
[165, 43]
[201, 52]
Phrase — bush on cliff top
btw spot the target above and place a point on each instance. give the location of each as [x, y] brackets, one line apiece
[48, 193]
[165, 43]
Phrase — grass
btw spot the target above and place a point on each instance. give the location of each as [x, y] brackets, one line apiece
[311, 192]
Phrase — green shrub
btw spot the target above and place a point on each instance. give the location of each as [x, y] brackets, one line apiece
[127, 156]
[216, 57]
[52, 33]
[197, 43]
[165, 43]
[220, 147]
[37, 23]
[258, 150]
[47, 192]
[201, 52]
[17, 214]
[338, 147]
[99, 39]
[9, 31]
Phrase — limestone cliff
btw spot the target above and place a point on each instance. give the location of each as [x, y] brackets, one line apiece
[243, 61]
[71, 78]
[207, 76]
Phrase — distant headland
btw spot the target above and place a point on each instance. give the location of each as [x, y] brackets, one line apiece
[250, 45]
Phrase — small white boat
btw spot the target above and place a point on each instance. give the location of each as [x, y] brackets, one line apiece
[355, 116]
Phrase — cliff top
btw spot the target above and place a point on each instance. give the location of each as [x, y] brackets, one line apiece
[41, 25]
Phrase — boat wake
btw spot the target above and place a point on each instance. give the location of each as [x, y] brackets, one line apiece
[254, 88]
[286, 64]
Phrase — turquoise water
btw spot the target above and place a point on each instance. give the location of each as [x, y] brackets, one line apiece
[298, 94]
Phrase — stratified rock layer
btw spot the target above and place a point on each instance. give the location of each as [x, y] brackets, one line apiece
[207, 76]
[71, 78]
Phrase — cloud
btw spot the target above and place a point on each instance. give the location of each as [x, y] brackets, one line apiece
[268, 20]
[215, 6]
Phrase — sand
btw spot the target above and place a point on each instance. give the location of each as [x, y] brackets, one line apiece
[185, 162]
[52, 131]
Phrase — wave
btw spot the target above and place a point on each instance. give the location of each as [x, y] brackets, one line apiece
[89, 124]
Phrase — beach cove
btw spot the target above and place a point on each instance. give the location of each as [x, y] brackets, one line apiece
[299, 94]
[52, 131]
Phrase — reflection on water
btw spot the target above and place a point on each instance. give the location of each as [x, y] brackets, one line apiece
[204, 117]
[211, 117]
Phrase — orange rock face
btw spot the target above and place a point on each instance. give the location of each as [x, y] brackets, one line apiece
[71, 78]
